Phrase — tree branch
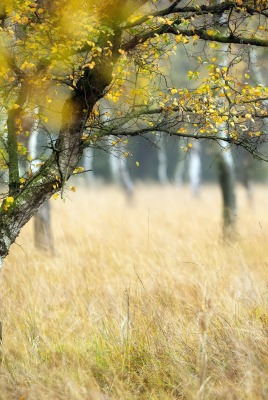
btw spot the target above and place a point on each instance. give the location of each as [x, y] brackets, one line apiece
[218, 9]
[202, 33]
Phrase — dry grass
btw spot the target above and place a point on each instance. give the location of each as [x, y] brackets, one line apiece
[140, 302]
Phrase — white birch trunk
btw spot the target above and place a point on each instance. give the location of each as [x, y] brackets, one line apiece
[126, 179]
[114, 164]
[119, 169]
[117, 161]
[43, 237]
[88, 157]
[195, 168]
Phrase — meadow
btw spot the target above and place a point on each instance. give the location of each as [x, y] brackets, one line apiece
[140, 302]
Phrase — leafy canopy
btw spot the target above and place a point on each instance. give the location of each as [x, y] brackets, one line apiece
[63, 56]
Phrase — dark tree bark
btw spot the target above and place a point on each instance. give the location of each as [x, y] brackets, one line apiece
[227, 184]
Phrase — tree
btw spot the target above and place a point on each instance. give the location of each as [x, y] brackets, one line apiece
[87, 50]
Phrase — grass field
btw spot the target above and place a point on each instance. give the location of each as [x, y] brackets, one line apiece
[140, 302]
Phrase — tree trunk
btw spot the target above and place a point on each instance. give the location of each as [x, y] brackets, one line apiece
[51, 176]
[88, 158]
[22, 203]
[246, 178]
[195, 168]
[179, 173]
[227, 184]
[43, 237]
[26, 203]
[162, 161]
[126, 179]
[119, 170]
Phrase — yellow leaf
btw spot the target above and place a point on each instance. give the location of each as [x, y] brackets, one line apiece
[91, 65]
[179, 38]
[211, 32]
[55, 196]
[24, 20]
[78, 170]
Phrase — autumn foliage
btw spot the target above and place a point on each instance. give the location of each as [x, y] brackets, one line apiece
[65, 56]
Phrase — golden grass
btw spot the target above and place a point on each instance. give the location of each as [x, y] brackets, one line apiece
[140, 302]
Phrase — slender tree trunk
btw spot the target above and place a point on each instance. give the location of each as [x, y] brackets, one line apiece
[117, 161]
[180, 168]
[226, 169]
[119, 170]
[228, 189]
[246, 179]
[88, 158]
[179, 173]
[43, 237]
[195, 168]
[162, 161]
[114, 165]
[126, 179]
